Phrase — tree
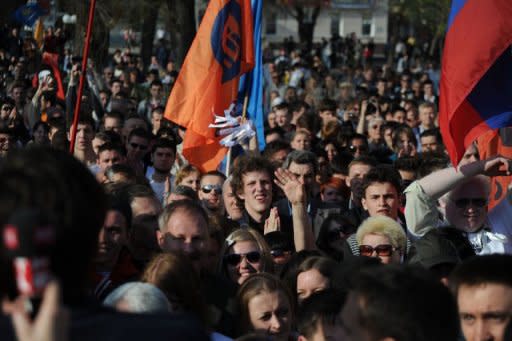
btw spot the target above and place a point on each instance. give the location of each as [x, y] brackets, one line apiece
[428, 18]
[182, 26]
[306, 13]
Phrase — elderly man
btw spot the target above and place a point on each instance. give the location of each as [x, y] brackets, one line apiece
[463, 196]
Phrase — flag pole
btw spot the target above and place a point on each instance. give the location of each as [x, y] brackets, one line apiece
[85, 56]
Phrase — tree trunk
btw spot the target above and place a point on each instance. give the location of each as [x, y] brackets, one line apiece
[148, 33]
[306, 26]
[184, 29]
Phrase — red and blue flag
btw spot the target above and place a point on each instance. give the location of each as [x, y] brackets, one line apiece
[476, 75]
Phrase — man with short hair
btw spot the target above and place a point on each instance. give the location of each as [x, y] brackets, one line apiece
[83, 143]
[113, 121]
[483, 289]
[133, 122]
[427, 116]
[398, 304]
[431, 141]
[283, 117]
[357, 169]
[143, 200]
[327, 111]
[108, 154]
[137, 146]
[157, 116]
[276, 151]
[183, 228]
[163, 156]
[210, 192]
[114, 265]
[252, 184]
[154, 100]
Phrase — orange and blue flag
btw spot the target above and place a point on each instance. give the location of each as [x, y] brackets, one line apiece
[207, 84]
[251, 84]
[476, 76]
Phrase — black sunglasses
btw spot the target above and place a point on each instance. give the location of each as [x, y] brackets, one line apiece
[353, 148]
[382, 250]
[465, 202]
[138, 146]
[235, 258]
[280, 253]
[7, 108]
[208, 188]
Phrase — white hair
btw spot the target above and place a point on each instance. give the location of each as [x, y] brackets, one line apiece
[139, 297]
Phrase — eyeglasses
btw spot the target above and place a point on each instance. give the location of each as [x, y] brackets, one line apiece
[235, 258]
[280, 253]
[7, 108]
[208, 188]
[138, 146]
[465, 202]
[384, 250]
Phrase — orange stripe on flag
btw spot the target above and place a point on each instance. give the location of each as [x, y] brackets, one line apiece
[222, 50]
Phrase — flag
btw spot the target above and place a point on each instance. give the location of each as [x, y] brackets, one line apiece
[251, 83]
[476, 75]
[29, 13]
[39, 33]
[208, 81]
[52, 60]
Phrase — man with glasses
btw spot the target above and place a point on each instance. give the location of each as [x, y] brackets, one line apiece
[210, 193]
[137, 146]
[462, 194]
[358, 145]
[183, 228]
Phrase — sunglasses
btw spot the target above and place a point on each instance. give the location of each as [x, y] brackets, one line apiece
[208, 188]
[138, 146]
[359, 148]
[465, 202]
[235, 258]
[7, 108]
[384, 250]
[280, 253]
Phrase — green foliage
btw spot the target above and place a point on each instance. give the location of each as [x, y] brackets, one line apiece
[424, 14]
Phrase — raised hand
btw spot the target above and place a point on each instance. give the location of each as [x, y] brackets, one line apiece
[497, 166]
[294, 190]
[272, 223]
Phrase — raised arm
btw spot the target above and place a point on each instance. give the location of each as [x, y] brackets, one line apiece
[295, 191]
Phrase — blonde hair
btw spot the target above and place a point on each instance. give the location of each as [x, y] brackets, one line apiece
[184, 172]
[246, 235]
[384, 226]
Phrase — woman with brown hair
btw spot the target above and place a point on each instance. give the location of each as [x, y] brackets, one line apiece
[266, 306]
[173, 274]
[188, 176]
[314, 275]
[244, 252]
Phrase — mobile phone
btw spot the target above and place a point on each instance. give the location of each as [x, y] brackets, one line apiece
[28, 238]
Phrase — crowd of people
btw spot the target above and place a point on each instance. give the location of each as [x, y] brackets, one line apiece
[351, 223]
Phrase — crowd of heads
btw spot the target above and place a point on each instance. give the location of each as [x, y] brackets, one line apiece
[305, 239]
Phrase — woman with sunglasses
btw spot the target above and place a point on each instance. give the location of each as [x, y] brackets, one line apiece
[244, 253]
[266, 306]
[382, 237]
